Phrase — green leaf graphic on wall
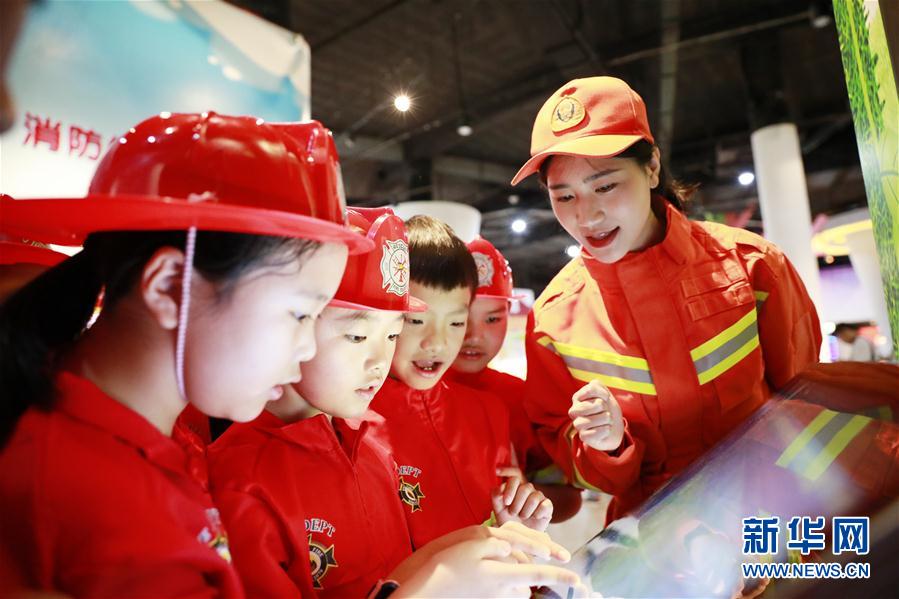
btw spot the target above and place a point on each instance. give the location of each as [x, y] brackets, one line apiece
[875, 114]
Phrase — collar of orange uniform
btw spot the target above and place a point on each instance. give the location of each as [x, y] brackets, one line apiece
[675, 247]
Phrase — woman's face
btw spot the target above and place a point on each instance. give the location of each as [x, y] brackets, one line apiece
[604, 203]
[243, 347]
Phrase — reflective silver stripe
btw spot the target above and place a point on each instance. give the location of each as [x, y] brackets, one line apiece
[813, 447]
[622, 372]
[708, 361]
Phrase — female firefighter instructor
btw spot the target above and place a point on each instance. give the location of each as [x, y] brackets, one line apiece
[679, 329]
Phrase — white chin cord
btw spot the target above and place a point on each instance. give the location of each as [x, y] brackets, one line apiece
[184, 309]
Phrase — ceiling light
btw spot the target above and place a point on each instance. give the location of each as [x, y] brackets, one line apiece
[402, 103]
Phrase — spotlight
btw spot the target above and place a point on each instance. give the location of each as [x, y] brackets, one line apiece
[572, 251]
[746, 178]
[402, 103]
[820, 13]
[519, 226]
[464, 130]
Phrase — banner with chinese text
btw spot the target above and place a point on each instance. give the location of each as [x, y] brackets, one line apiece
[82, 73]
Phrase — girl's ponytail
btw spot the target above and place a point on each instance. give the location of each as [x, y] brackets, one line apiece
[35, 324]
[41, 321]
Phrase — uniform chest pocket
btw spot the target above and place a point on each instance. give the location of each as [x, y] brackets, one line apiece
[728, 364]
[723, 286]
[718, 300]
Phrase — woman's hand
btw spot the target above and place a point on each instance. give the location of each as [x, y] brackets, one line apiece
[597, 417]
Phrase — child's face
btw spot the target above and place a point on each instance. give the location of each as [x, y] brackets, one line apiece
[604, 203]
[242, 348]
[355, 348]
[431, 340]
[487, 324]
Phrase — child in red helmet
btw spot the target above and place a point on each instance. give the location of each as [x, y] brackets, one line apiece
[305, 484]
[307, 494]
[21, 262]
[451, 442]
[199, 231]
[199, 235]
[488, 322]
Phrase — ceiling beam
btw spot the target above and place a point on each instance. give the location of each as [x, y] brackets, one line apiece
[321, 44]
[439, 135]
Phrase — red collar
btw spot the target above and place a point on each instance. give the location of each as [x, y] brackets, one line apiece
[396, 386]
[676, 246]
[469, 379]
[82, 400]
[318, 433]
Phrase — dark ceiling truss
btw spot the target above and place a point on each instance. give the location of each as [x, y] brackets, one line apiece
[711, 71]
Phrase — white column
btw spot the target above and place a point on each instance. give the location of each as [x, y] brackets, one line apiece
[863, 255]
[464, 219]
[783, 199]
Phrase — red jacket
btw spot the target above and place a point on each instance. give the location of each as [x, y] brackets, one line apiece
[308, 496]
[196, 423]
[690, 335]
[97, 502]
[510, 389]
[447, 442]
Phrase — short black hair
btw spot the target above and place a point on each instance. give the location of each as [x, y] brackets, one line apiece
[437, 258]
[847, 326]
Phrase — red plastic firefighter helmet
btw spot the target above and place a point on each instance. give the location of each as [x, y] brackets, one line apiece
[378, 280]
[14, 252]
[223, 173]
[494, 274]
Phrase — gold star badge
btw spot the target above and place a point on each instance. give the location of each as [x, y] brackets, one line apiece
[411, 494]
[320, 561]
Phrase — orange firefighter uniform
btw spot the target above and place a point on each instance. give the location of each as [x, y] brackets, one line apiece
[690, 335]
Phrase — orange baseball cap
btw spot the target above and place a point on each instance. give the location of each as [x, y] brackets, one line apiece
[594, 117]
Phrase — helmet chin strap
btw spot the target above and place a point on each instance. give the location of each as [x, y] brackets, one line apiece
[184, 308]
